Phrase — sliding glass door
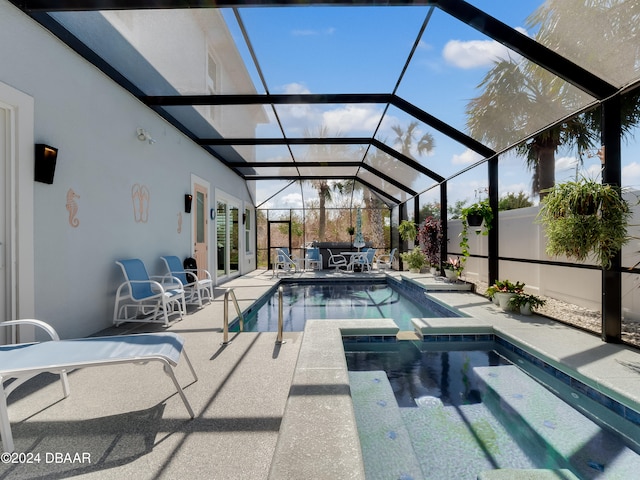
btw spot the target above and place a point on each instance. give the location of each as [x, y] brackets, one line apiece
[227, 238]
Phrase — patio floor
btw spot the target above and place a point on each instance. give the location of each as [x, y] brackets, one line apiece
[127, 421]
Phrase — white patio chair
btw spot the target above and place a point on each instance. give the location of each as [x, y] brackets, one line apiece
[313, 259]
[386, 260]
[20, 362]
[142, 299]
[337, 261]
[284, 262]
[197, 283]
[364, 260]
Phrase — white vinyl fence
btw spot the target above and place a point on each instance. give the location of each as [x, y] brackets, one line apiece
[520, 236]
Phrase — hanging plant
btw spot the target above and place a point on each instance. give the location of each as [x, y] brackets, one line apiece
[584, 218]
[430, 238]
[474, 215]
[407, 230]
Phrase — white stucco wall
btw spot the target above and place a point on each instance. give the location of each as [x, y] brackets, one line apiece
[93, 122]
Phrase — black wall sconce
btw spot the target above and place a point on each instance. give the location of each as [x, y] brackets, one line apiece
[45, 164]
[244, 218]
[187, 203]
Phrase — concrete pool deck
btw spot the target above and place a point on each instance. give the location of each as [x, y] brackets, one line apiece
[262, 410]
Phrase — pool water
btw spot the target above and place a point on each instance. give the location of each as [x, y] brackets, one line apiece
[443, 414]
[339, 301]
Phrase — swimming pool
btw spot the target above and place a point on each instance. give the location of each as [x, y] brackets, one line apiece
[334, 300]
[453, 410]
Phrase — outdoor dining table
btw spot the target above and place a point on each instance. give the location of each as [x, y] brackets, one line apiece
[353, 258]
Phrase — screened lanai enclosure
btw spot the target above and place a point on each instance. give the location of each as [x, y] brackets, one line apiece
[399, 110]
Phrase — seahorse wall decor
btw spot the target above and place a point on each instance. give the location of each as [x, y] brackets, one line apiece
[140, 198]
[72, 208]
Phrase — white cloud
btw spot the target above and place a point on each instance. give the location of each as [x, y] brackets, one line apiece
[311, 32]
[566, 163]
[466, 158]
[422, 45]
[631, 174]
[474, 53]
[477, 53]
[291, 200]
[352, 118]
[295, 88]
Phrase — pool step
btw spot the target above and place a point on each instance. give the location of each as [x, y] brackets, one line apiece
[386, 445]
[560, 429]
[460, 441]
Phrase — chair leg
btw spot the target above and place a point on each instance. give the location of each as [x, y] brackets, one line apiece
[169, 371]
[5, 426]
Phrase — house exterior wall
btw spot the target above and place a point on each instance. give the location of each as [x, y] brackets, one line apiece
[88, 217]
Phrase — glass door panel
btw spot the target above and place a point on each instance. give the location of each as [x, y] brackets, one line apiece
[221, 238]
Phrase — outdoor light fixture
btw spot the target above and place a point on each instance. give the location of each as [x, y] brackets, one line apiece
[45, 163]
[187, 203]
[144, 136]
[244, 218]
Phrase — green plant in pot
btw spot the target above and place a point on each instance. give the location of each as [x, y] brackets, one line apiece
[351, 231]
[452, 268]
[475, 215]
[583, 218]
[490, 292]
[504, 291]
[415, 259]
[526, 303]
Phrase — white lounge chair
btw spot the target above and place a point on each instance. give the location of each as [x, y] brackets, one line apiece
[20, 362]
[142, 299]
[196, 283]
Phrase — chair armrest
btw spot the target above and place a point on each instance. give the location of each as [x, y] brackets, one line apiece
[38, 323]
[156, 287]
[164, 278]
[197, 271]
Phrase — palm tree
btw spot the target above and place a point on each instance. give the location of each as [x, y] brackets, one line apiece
[406, 139]
[520, 98]
[322, 186]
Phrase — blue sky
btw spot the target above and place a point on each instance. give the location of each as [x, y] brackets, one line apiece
[358, 50]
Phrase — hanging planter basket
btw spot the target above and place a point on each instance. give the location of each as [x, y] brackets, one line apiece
[584, 218]
[474, 219]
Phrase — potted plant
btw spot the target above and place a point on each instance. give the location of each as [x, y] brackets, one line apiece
[452, 268]
[585, 217]
[351, 231]
[415, 259]
[430, 239]
[505, 290]
[407, 230]
[525, 303]
[490, 293]
[474, 215]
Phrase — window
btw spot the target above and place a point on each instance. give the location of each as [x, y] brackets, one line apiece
[247, 230]
[212, 83]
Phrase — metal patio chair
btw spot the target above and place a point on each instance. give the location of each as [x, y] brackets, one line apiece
[142, 299]
[196, 283]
